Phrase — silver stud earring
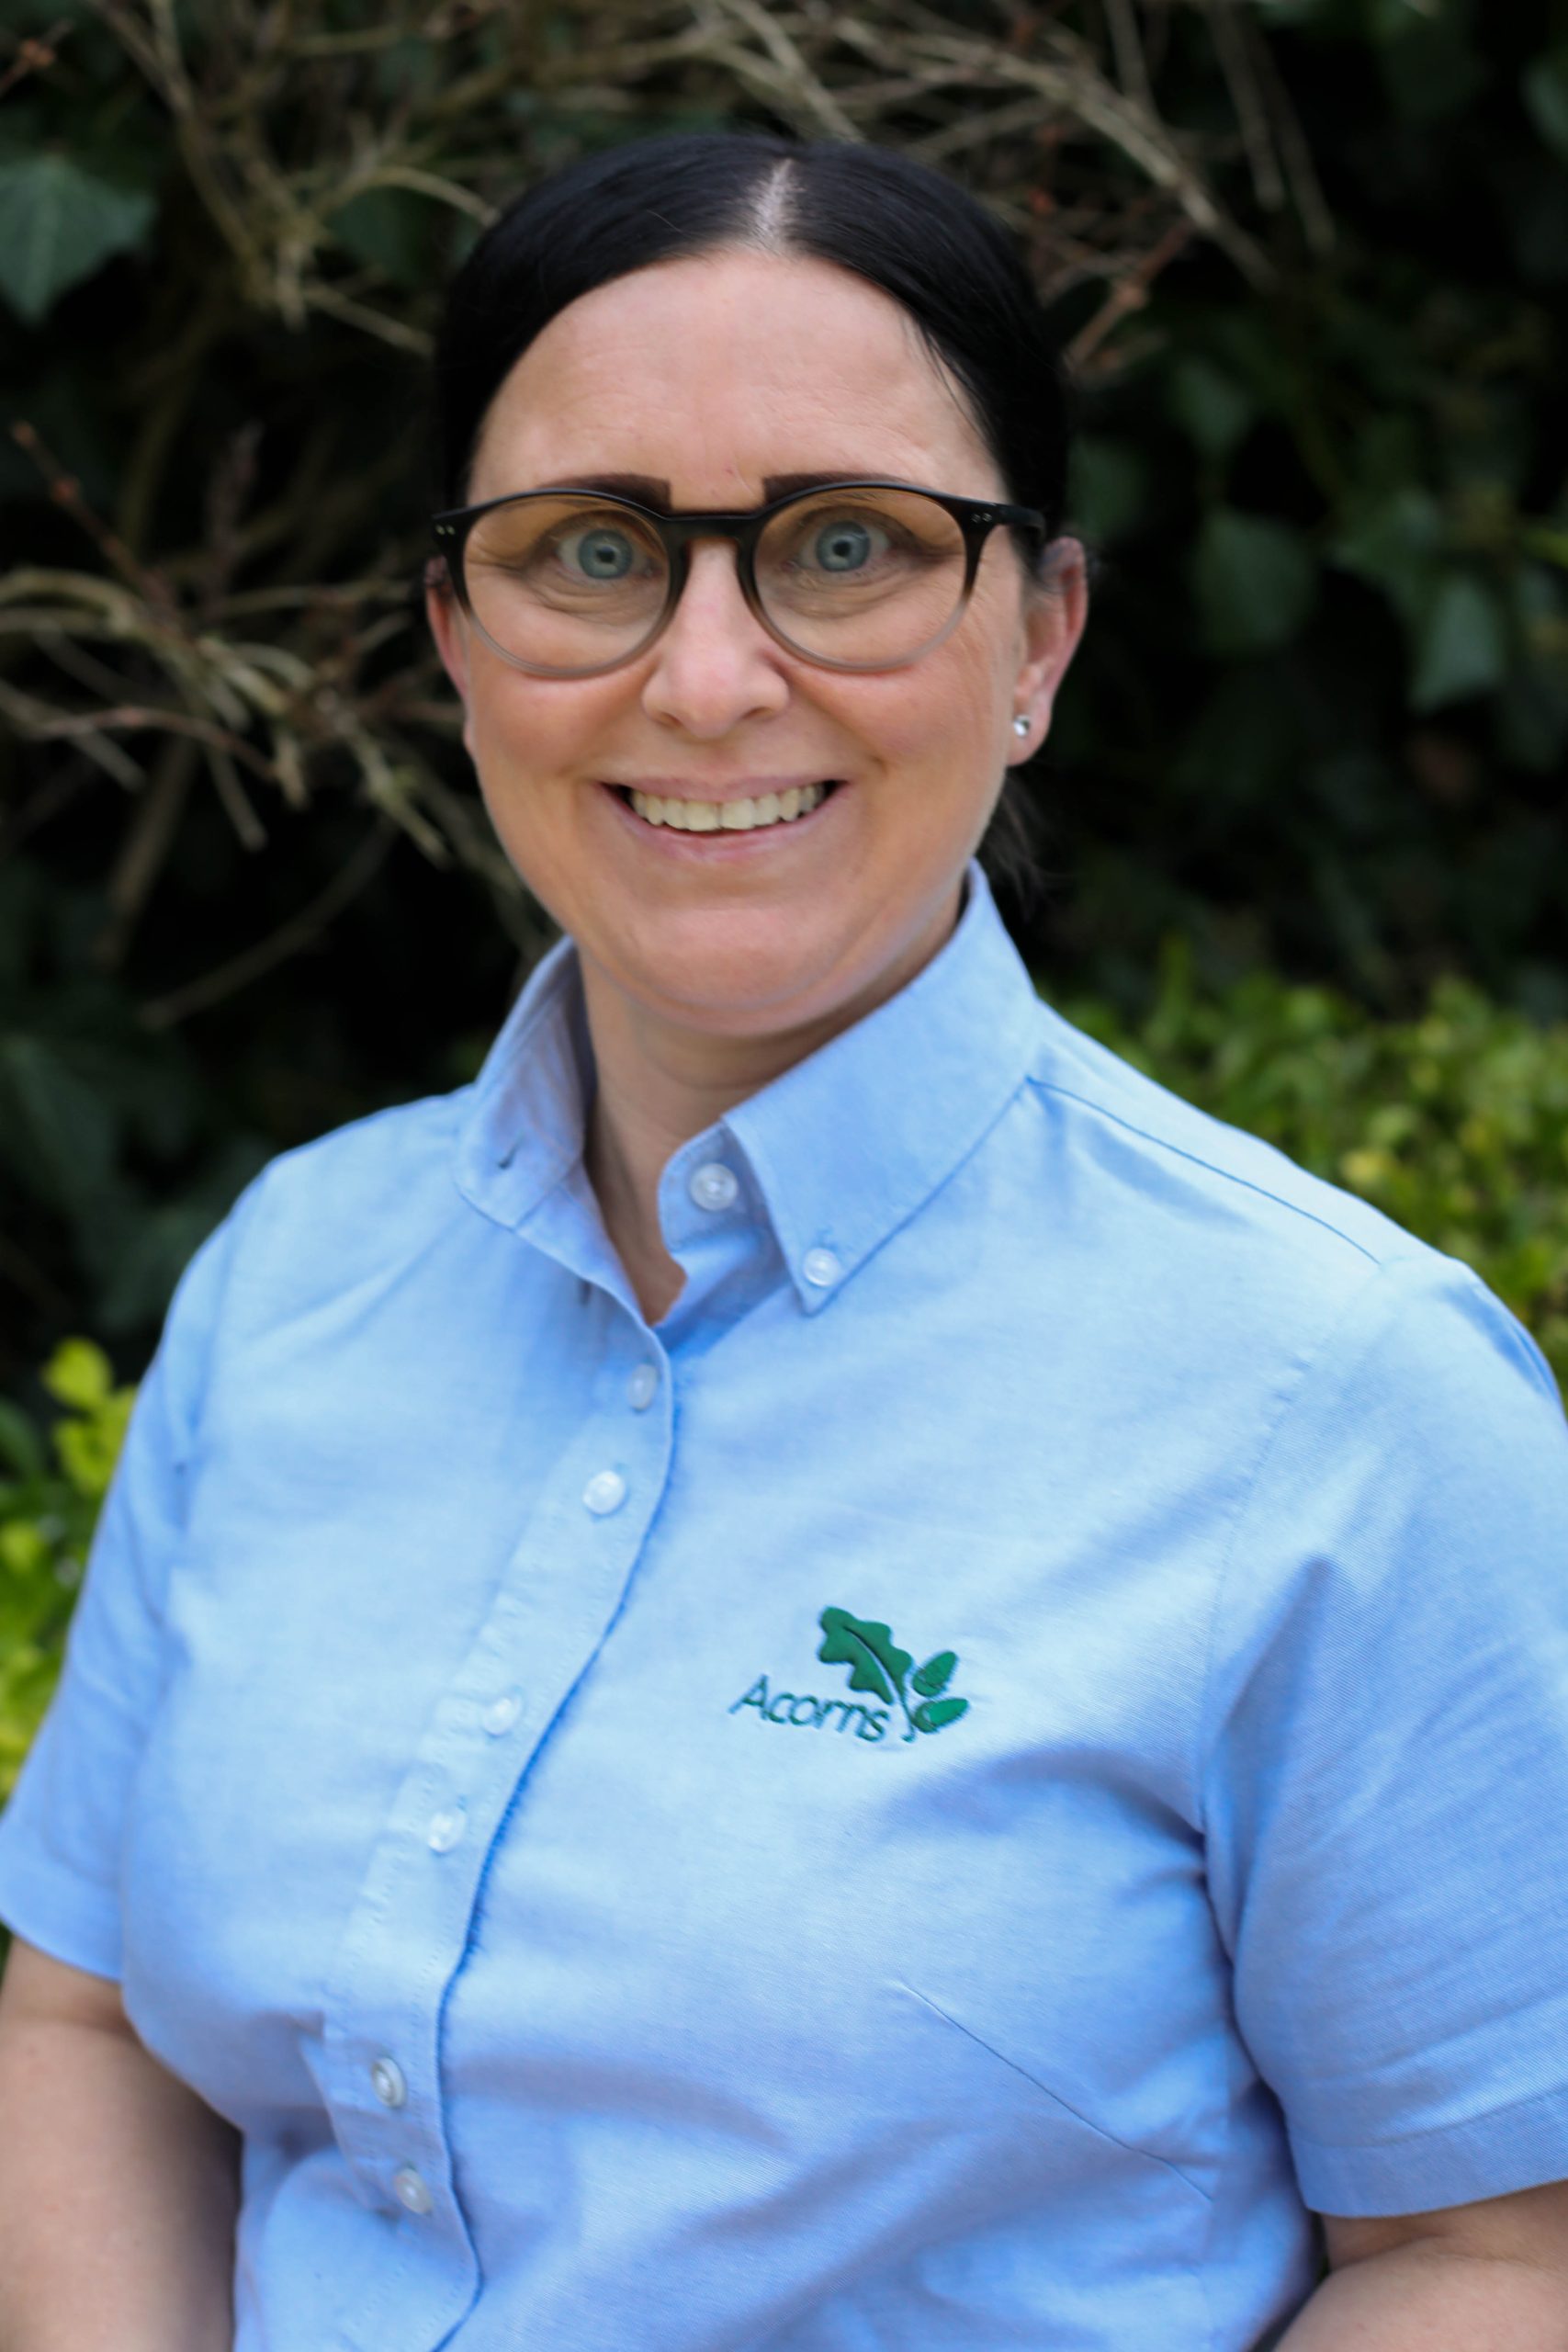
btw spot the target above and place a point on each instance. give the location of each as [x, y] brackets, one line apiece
[1021, 726]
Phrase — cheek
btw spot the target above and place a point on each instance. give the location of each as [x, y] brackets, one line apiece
[522, 733]
[943, 714]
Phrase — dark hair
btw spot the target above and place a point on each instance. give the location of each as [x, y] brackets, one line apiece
[904, 228]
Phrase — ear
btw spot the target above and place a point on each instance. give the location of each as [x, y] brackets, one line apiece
[450, 631]
[1055, 608]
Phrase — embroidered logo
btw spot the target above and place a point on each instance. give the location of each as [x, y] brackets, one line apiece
[878, 1666]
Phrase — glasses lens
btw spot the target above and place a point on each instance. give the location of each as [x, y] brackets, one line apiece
[565, 583]
[861, 576]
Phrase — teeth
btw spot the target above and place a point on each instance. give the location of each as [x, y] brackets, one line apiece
[730, 816]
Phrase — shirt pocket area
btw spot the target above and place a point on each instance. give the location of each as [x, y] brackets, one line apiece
[1065, 2128]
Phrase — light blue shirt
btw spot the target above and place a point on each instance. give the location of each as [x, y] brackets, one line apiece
[936, 1800]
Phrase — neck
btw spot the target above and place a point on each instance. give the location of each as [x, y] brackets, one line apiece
[660, 1082]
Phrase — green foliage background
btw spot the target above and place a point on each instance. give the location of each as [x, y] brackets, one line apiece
[1304, 808]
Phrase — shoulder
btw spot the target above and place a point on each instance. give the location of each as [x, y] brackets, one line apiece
[331, 1213]
[1210, 1239]
[1192, 1202]
[1187, 1162]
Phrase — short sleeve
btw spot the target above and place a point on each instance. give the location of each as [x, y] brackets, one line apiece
[1386, 1789]
[61, 1834]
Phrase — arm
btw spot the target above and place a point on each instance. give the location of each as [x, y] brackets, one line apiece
[1494, 2273]
[119, 2188]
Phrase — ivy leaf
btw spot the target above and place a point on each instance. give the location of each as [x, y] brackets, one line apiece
[1110, 488]
[878, 1664]
[1212, 408]
[936, 1675]
[1255, 580]
[389, 228]
[1463, 648]
[1546, 96]
[937, 1711]
[58, 224]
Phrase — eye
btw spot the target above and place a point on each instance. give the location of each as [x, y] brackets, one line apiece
[846, 544]
[600, 552]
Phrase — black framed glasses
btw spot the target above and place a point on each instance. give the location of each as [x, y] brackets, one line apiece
[852, 575]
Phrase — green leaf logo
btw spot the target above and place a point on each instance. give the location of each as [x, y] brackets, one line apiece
[936, 1675]
[937, 1711]
[877, 1664]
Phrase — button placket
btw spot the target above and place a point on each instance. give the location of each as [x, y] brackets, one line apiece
[604, 1493]
[502, 1713]
[412, 2190]
[387, 2083]
[553, 1605]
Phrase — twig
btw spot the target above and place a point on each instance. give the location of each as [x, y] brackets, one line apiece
[35, 55]
[1126, 41]
[66, 491]
[793, 76]
[338, 305]
[37, 722]
[234, 798]
[197, 996]
[1129, 293]
[1230, 47]
[974, 130]
[1306, 188]
[147, 844]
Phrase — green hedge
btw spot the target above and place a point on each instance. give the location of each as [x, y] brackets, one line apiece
[1456, 1125]
[50, 1489]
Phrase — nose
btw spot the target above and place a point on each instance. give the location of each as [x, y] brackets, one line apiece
[715, 665]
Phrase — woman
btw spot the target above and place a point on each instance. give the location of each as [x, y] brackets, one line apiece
[812, 1671]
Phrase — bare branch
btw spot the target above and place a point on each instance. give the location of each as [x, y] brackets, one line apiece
[197, 996]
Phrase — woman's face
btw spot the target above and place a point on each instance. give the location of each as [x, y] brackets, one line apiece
[704, 378]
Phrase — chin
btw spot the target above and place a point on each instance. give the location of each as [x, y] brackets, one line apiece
[739, 974]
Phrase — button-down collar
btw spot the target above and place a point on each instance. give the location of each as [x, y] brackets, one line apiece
[841, 1149]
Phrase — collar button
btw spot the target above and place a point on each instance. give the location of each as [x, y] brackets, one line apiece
[714, 1186]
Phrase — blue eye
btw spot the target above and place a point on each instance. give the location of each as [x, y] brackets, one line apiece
[843, 546]
[600, 553]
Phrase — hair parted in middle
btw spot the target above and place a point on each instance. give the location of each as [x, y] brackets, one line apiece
[906, 228]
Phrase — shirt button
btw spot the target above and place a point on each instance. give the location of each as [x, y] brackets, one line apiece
[604, 1492]
[714, 1186]
[501, 1713]
[446, 1829]
[387, 2082]
[820, 1268]
[412, 2191]
[643, 1386]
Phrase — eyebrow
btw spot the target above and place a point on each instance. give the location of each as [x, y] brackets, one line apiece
[651, 490]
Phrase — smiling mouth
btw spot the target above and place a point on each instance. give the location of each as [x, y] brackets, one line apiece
[747, 815]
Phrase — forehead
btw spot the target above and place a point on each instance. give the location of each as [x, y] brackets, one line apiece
[717, 370]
